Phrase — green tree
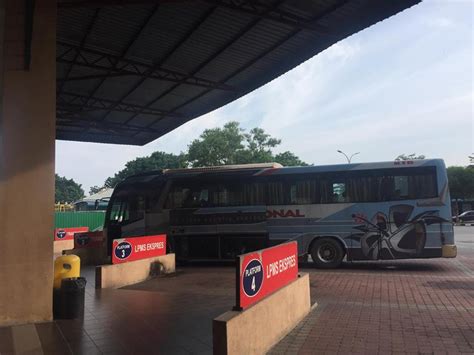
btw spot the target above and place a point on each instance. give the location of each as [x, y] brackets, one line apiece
[461, 182]
[232, 145]
[259, 147]
[289, 159]
[156, 161]
[67, 190]
[225, 145]
[217, 146]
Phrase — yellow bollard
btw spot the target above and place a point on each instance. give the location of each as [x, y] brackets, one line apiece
[64, 267]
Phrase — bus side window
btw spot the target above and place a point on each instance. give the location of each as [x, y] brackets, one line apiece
[304, 192]
[275, 192]
[400, 188]
[198, 197]
[176, 197]
[339, 192]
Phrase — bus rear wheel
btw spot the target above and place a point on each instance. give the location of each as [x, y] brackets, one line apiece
[327, 253]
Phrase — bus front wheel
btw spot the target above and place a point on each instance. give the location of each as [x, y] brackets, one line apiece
[327, 253]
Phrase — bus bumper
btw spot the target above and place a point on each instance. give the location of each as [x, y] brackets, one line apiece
[449, 251]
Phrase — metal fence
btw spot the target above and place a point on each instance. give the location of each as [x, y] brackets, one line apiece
[93, 219]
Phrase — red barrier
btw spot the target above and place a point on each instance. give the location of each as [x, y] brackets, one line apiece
[136, 248]
[263, 272]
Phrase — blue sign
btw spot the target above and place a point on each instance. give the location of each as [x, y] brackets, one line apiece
[252, 278]
[61, 234]
[123, 250]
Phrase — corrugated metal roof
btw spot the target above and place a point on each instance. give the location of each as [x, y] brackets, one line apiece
[130, 71]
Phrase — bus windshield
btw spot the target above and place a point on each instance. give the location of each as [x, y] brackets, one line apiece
[130, 203]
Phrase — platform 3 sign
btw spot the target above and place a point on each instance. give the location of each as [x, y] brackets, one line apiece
[136, 248]
[263, 272]
[68, 233]
[89, 240]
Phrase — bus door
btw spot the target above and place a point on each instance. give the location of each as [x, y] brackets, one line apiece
[192, 226]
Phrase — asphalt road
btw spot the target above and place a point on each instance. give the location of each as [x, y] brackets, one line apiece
[464, 236]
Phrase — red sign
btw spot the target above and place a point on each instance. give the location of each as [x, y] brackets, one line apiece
[88, 240]
[262, 272]
[68, 233]
[136, 248]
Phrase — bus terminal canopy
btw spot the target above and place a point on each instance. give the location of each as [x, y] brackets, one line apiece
[129, 71]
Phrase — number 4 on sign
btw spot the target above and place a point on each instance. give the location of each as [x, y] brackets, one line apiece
[253, 284]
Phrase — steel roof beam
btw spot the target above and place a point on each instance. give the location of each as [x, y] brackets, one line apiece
[127, 67]
[229, 43]
[265, 11]
[253, 8]
[83, 41]
[328, 11]
[75, 101]
[158, 64]
[127, 47]
[116, 127]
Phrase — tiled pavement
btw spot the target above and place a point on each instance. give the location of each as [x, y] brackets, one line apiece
[422, 306]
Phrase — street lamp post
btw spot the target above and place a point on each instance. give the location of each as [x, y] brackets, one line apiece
[348, 158]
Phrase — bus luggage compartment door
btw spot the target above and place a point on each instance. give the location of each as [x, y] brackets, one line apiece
[241, 230]
[192, 232]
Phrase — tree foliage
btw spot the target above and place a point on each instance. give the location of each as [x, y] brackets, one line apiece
[156, 161]
[289, 159]
[461, 182]
[225, 145]
[67, 190]
[232, 145]
[217, 146]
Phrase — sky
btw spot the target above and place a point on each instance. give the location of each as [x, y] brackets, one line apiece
[404, 85]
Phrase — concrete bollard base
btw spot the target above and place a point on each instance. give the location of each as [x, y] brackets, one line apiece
[258, 328]
[60, 245]
[119, 275]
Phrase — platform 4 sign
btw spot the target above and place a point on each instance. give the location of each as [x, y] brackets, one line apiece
[136, 248]
[263, 272]
[68, 233]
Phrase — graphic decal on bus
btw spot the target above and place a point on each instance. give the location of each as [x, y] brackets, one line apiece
[394, 236]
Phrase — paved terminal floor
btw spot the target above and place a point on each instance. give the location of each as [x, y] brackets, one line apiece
[413, 306]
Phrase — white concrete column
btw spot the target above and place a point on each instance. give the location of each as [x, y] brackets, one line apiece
[27, 136]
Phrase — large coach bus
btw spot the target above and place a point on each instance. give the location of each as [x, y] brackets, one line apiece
[369, 211]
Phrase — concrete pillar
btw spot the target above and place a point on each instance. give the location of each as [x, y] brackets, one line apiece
[27, 135]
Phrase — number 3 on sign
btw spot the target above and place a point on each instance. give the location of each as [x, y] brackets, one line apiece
[253, 284]
[123, 253]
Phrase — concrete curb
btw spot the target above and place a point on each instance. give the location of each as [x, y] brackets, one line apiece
[119, 275]
[258, 328]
